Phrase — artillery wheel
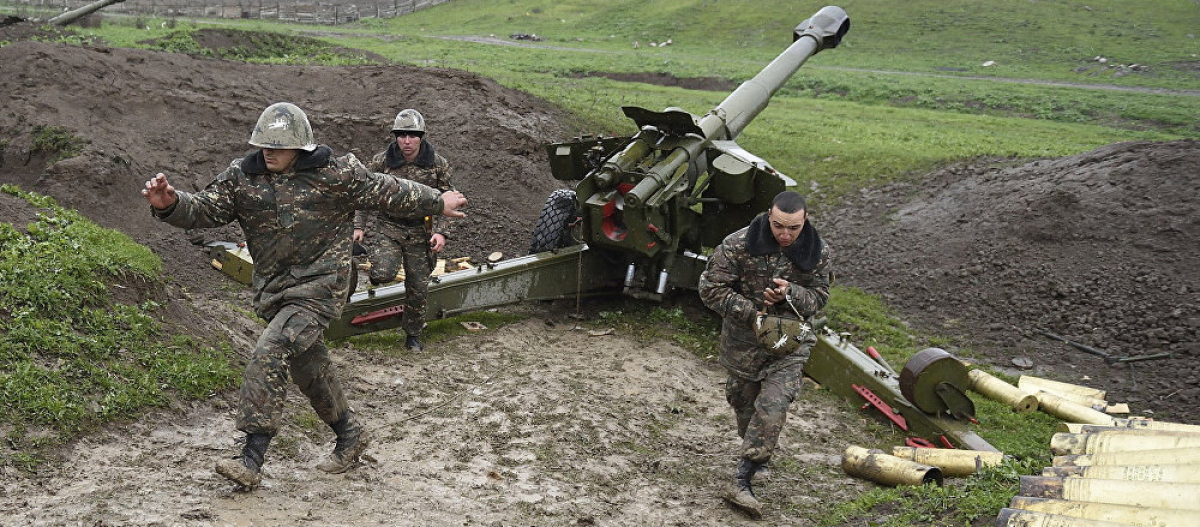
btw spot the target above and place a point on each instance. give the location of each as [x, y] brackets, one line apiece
[552, 229]
[936, 382]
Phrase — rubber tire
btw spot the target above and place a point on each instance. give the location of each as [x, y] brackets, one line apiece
[552, 229]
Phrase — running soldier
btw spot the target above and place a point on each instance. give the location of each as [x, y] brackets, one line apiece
[295, 203]
[767, 281]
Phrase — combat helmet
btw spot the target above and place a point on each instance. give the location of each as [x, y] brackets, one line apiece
[283, 126]
[409, 120]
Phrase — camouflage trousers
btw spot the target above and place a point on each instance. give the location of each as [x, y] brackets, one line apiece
[293, 343]
[761, 408]
[387, 255]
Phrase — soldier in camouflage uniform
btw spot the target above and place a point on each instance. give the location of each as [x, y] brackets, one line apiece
[295, 203]
[775, 273]
[407, 240]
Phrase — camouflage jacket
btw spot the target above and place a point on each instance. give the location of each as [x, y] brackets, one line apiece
[429, 168]
[738, 272]
[298, 224]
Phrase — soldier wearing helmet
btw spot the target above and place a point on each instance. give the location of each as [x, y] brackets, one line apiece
[406, 241]
[767, 281]
[295, 202]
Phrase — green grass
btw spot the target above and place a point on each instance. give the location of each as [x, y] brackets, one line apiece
[73, 358]
[1045, 40]
[56, 141]
[866, 117]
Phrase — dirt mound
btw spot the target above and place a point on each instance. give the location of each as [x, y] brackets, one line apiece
[1100, 248]
[142, 112]
[251, 45]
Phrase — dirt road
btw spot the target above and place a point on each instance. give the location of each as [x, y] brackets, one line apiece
[536, 423]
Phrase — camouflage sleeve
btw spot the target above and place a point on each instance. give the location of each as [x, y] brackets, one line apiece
[377, 163]
[372, 191]
[808, 298]
[211, 207]
[718, 286]
[363, 218]
[444, 173]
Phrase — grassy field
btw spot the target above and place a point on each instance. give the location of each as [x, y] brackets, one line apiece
[916, 85]
[906, 92]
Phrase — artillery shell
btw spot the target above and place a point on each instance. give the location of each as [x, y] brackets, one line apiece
[1129, 424]
[1174, 496]
[1164, 472]
[995, 389]
[1024, 518]
[1120, 441]
[953, 462]
[1069, 411]
[886, 469]
[1033, 384]
[1127, 514]
[1170, 456]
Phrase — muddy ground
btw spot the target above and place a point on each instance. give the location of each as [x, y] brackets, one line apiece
[544, 422]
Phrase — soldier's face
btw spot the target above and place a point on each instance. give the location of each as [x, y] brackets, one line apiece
[280, 160]
[786, 226]
[409, 143]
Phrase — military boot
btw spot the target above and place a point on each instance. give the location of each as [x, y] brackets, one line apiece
[740, 493]
[246, 468]
[352, 441]
[762, 475]
[413, 342]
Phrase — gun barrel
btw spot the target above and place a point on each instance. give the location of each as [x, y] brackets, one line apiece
[75, 14]
[824, 30]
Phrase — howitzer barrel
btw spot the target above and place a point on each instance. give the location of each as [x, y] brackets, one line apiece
[75, 14]
[824, 30]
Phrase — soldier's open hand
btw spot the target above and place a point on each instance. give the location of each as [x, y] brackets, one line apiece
[159, 192]
[452, 200]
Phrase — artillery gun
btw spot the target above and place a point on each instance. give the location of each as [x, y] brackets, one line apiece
[642, 211]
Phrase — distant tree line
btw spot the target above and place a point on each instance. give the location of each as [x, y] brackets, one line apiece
[295, 11]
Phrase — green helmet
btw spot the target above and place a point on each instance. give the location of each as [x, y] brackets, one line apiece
[409, 120]
[283, 126]
[781, 335]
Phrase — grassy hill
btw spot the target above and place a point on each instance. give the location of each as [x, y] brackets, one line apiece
[915, 85]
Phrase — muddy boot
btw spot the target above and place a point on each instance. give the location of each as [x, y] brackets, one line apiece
[245, 469]
[352, 441]
[762, 474]
[413, 343]
[739, 492]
